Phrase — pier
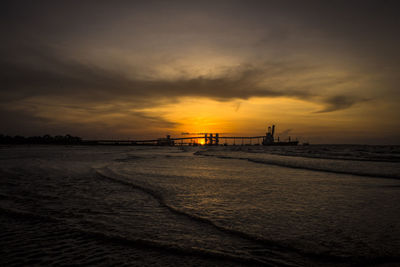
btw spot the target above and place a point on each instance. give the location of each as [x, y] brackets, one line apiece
[212, 139]
[199, 139]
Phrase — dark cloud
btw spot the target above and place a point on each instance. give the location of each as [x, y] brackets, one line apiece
[92, 123]
[63, 86]
[237, 106]
[23, 123]
[340, 102]
[53, 76]
[62, 56]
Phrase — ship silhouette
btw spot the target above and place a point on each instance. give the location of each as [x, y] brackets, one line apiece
[269, 139]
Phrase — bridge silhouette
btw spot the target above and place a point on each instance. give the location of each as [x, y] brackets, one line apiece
[193, 140]
[209, 139]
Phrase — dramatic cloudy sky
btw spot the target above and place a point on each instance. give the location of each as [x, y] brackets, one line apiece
[324, 71]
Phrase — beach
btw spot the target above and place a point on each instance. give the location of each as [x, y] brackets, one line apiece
[311, 205]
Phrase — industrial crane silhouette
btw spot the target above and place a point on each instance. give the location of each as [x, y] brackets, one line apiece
[209, 138]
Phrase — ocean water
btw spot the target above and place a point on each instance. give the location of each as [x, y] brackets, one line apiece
[317, 205]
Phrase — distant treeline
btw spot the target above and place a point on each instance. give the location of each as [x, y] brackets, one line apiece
[45, 139]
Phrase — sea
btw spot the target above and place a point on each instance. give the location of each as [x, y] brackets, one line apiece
[315, 205]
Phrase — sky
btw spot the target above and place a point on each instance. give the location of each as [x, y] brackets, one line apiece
[321, 71]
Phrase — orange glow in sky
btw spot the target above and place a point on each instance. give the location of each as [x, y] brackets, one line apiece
[145, 70]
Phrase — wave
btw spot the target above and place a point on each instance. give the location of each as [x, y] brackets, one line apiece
[348, 157]
[297, 165]
[147, 157]
[333, 152]
[17, 214]
[128, 158]
[272, 253]
[196, 218]
[273, 247]
[136, 243]
[343, 156]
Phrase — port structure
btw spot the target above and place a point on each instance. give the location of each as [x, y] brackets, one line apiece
[269, 137]
[210, 139]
